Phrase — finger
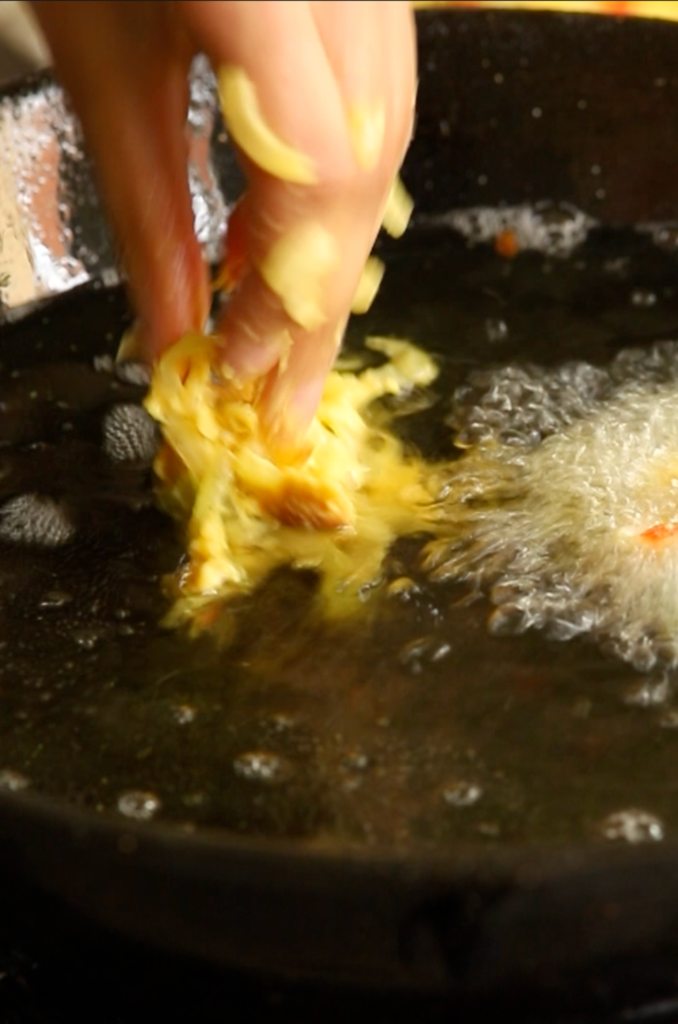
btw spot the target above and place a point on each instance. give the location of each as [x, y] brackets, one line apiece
[276, 43]
[277, 46]
[294, 387]
[264, 333]
[377, 76]
[298, 96]
[307, 242]
[294, 390]
[127, 77]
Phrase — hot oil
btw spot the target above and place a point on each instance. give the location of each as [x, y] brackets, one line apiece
[409, 726]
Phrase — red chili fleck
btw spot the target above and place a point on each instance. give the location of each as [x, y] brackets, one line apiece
[661, 531]
[506, 244]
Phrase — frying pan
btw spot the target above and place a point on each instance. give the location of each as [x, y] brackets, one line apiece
[298, 785]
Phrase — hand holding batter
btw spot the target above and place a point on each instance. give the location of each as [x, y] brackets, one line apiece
[319, 97]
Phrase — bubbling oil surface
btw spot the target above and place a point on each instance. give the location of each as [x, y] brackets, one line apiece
[566, 503]
[411, 727]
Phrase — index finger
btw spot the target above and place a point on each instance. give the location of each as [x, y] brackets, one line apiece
[310, 227]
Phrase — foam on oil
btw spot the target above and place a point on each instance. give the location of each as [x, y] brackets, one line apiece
[565, 506]
[555, 229]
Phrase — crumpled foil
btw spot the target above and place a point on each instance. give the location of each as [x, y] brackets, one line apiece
[54, 234]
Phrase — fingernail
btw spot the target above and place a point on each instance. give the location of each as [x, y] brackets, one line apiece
[286, 414]
[129, 348]
[250, 355]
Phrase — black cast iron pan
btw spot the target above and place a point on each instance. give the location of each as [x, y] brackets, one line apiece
[408, 803]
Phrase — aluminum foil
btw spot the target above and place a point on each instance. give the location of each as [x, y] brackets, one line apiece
[53, 231]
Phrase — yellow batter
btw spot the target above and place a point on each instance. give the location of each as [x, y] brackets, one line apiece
[337, 506]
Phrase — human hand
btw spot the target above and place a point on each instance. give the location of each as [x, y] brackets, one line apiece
[334, 83]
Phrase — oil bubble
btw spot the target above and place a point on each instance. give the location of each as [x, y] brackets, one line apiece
[130, 434]
[664, 236]
[87, 638]
[632, 826]
[139, 805]
[425, 649]
[33, 519]
[263, 766]
[462, 794]
[496, 331]
[643, 298]
[103, 364]
[184, 714]
[649, 693]
[12, 781]
[356, 760]
[522, 405]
